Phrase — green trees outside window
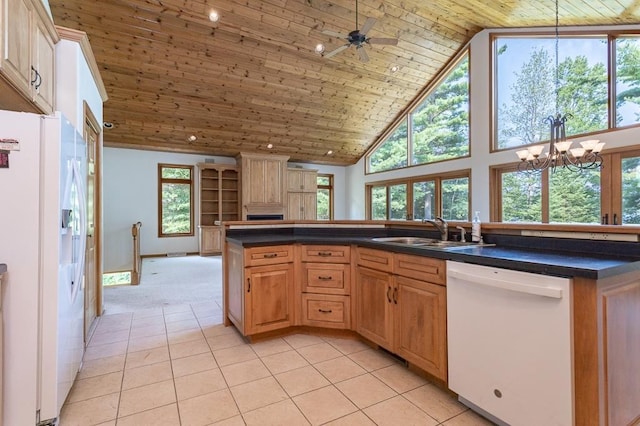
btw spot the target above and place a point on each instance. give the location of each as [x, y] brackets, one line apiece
[436, 129]
[175, 200]
[324, 200]
[421, 197]
[526, 92]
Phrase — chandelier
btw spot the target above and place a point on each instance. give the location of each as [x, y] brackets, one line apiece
[560, 154]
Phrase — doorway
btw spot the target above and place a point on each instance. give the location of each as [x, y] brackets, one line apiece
[93, 267]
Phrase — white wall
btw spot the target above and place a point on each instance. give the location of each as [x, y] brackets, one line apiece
[75, 84]
[480, 135]
[131, 195]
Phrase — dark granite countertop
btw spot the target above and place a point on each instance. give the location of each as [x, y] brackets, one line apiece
[549, 256]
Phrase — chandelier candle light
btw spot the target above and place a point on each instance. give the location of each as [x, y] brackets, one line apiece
[560, 153]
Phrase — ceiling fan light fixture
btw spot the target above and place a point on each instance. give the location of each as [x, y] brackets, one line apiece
[214, 16]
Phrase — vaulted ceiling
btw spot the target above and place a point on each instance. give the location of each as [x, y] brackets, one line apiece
[253, 79]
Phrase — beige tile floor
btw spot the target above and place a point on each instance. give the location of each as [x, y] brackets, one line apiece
[178, 365]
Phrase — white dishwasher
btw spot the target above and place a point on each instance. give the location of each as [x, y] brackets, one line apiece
[510, 344]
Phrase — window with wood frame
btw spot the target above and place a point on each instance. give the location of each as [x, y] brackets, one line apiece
[609, 196]
[434, 128]
[597, 83]
[421, 197]
[324, 208]
[175, 200]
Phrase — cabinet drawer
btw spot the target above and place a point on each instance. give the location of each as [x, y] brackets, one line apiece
[326, 278]
[420, 268]
[326, 254]
[270, 255]
[326, 310]
[375, 259]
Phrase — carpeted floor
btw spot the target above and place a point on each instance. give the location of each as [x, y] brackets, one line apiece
[169, 281]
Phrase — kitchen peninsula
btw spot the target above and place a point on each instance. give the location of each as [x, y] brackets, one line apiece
[283, 275]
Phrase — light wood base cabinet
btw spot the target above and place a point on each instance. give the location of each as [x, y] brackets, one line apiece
[260, 287]
[326, 286]
[402, 314]
[420, 328]
[606, 318]
[374, 306]
[210, 240]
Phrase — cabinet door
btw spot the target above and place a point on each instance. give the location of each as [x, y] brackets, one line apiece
[264, 181]
[273, 181]
[420, 325]
[294, 180]
[43, 62]
[309, 206]
[210, 240]
[294, 206]
[269, 297]
[374, 308]
[16, 46]
[310, 181]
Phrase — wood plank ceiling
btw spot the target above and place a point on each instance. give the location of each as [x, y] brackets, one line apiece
[253, 78]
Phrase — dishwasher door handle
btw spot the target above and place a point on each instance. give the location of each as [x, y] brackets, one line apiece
[554, 293]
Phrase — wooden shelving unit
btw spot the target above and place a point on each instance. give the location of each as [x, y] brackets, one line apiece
[219, 202]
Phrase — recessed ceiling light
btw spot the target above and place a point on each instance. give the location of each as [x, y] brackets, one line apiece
[269, 145]
[108, 125]
[394, 68]
[192, 138]
[214, 16]
[329, 152]
[319, 48]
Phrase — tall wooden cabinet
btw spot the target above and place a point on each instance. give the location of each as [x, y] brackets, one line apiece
[219, 193]
[302, 192]
[263, 181]
[27, 60]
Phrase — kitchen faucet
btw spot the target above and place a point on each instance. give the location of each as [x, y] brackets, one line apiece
[441, 225]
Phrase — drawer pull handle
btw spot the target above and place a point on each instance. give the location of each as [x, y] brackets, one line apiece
[324, 253]
[325, 311]
[389, 294]
[395, 295]
[325, 278]
[248, 285]
[270, 255]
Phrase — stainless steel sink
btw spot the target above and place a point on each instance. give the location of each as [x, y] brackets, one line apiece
[412, 241]
[428, 242]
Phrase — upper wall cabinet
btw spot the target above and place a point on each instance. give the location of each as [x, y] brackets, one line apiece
[263, 182]
[27, 61]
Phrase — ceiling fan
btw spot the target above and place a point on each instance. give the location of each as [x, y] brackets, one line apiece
[358, 38]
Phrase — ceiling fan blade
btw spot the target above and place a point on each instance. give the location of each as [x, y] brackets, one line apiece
[334, 34]
[336, 51]
[389, 41]
[368, 24]
[362, 54]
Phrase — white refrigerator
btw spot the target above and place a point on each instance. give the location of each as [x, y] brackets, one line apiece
[43, 237]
